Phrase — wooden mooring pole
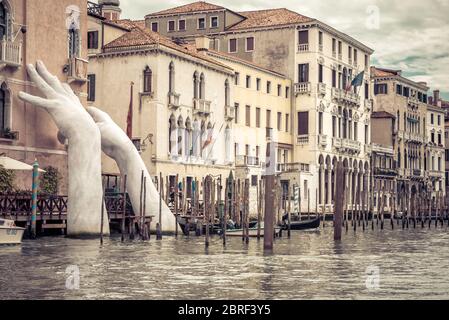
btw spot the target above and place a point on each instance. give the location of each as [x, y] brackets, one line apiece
[124, 208]
[339, 202]
[270, 191]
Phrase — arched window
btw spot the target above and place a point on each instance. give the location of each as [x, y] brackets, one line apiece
[2, 108]
[171, 78]
[202, 87]
[188, 138]
[147, 80]
[227, 93]
[180, 136]
[74, 43]
[172, 136]
[195, 85]
[3, 21]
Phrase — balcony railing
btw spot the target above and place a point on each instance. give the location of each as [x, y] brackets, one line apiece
[302, 88]
[77, 70]
[385, 172]
[9, 135]
[303, 47]
[303, 139]
[230, 112]
[173, 100]
[347, 97]
[416, 173]
[322, 140]
[292, 167]
[247, 161]
[10, 53]
[94, 9]
[269, 133]
[347, 145]
[321, 88]
[201, 106]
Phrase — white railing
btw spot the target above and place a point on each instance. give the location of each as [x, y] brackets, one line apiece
[302, 88]
[230, 112]
[345, 96]
[173, 100]
[303, 47]
[322, 88]
[351, 145]
[247, 161]
[78, 69]
[10, 53]
[322, 140]
[303, 139]
[201, 106]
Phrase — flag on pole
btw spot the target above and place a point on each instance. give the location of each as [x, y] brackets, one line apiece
[358, 80]
[129, 119]
[209, 137]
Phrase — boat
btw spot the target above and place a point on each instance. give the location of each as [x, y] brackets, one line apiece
[10, 233]
[252, 231]
[303, 224]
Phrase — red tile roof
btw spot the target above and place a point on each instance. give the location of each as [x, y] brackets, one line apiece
[381, 72]
[269, 18]
[139, 37]
[187, 8]
[130, 24]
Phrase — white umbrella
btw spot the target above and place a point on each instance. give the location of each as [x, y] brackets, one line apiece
[11, 164]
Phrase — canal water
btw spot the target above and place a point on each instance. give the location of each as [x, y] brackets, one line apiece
[399, 264]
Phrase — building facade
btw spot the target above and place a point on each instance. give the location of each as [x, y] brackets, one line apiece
[27, 132]
[329, 119]
[180, 121]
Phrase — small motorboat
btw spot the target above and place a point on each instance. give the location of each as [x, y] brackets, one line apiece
[10, 233]
[302, 224]
[252, 231]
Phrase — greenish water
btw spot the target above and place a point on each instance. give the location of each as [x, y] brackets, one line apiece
[411, 263]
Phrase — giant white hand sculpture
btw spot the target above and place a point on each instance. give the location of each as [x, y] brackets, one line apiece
[116, 144]
[84, 150]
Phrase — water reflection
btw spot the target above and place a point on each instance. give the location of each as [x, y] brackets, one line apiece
[310, 265]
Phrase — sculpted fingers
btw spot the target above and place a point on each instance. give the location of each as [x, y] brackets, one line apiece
[98, 115]
[69, 91]
[43, 86]
[37, 101]
[51, 80]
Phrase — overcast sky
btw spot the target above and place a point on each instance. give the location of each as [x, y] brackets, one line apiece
[409, 35]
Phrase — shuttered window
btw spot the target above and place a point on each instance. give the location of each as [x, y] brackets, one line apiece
[303, 37]
[248, 116]
[91, 87]
[92, 40]
[303, 72]
[303, 123]
[233, 45]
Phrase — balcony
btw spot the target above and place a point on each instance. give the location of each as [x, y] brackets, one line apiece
[77, 70]
[322, 140]
[321, 89]
[247, 161]
[302, 88]
[347, 146]
[230, 112]
[10, 53]
[303, 47]
[173, 100]
[416, 173]
[345, 97]
[201, 106]
[413, 101]
[386, 172]
[94, 9]
[414, 137]
[303, 139]
[9, 135]
[292, 167]
[435, 173]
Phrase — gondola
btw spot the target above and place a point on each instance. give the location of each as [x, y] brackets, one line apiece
[303, 224]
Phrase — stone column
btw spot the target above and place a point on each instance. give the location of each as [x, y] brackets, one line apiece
[321, 185]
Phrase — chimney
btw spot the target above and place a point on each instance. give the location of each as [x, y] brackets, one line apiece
[202, 43]
[436, 96]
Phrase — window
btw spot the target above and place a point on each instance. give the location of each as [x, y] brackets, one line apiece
[227, 93]
[92, 40]
[287, 92]
[303, 72]
[366, 90]
[268, 120]
[349, 52]
[303, 123]
[439, 139]
[250, 44]
[399, 89]
[237, 78]
[171, 77]
[257, 117]
[3, 21]
[356, 131]
[202, 86]
[303, 37]
[236, 118]
[334, 46]
[431, 118]
[147, 80]
[366, 61]
[320, 123]
[279, 121]
[171, 26]
[432, 137]
[3, 109]
[201, 23]
[366, 134]
[287, 122]
[279, 90]
[334, 126]
[232, 45]
[439, 120]
[254, 180]
[91, 87]
[380, 88]
[258, 84]
[320, 40]
[355, 56]
[214, 22]
[334, 78]
[74, 42]
[268, 86]
[320, 73]
[248, 82]
[181, 25]
[248, 116]
[154, 26]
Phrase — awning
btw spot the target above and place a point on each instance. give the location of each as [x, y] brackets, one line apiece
[11, 164]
